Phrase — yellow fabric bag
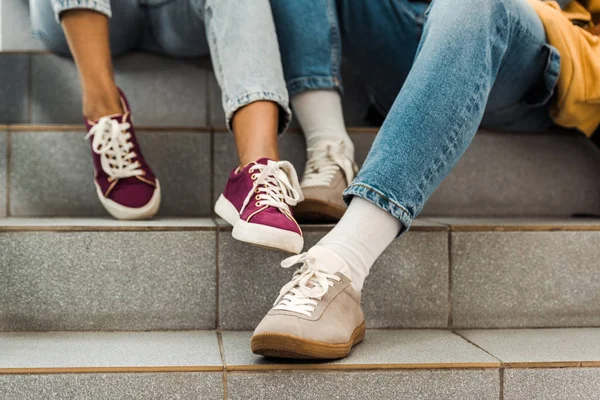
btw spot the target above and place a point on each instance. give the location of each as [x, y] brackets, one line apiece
[577, 97]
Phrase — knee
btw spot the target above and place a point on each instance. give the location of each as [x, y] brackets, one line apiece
[469, 14]
[469, 18]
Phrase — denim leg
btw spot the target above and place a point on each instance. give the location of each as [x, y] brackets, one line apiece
[126, 25]
[465, 46]
[245, 55]
[309, 38]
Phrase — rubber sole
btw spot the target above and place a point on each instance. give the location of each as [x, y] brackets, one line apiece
[123, 213]
[256, 234]
[315, 211]
[288, 346]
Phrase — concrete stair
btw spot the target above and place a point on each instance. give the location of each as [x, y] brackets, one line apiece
[182, 274]
[494, 294]
[390, 364]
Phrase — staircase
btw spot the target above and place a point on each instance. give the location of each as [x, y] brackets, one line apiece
[494, 294]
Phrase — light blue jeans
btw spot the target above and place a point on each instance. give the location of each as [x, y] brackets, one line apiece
[438, 72]
[239, 34]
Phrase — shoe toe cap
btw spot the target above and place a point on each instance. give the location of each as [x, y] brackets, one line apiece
[133, 194]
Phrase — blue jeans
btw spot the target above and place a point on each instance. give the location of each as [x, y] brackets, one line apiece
[438, 71]
[239, 34]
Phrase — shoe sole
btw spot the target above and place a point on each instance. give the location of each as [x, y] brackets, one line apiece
[318, 211]
[121, 212]
[256, 234]
[288, 346]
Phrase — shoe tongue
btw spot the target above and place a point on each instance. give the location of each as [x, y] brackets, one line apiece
[328, 261]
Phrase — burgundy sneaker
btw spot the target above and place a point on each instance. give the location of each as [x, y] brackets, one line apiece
[257, 201]
[124, 182]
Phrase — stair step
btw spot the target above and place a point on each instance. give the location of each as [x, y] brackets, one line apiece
[181, 274]
[49, 172]
[392, 364]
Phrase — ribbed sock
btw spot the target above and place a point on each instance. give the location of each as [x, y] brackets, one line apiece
[320, 115]
[361, 236]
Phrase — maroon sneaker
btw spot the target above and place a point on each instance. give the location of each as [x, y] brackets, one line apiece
[257, 201]
[124, 182]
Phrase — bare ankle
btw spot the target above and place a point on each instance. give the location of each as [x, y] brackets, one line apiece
[101, 103]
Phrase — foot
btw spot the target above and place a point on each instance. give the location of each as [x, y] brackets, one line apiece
[124, 182]
[257, 201]
[328, 173]
[317, 314]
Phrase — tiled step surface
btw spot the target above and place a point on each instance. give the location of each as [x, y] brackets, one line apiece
[553, 364]
[181, 274]
[47, 171]
[42, 88]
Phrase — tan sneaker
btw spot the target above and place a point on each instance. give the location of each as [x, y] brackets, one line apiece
[317, 314]
[328, 173]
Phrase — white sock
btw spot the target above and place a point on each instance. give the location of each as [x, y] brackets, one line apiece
[320, 115]
[361, 236]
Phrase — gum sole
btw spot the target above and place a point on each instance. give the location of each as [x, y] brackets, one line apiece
[318, 211]
[289, 346]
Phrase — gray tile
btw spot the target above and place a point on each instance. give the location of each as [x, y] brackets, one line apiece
[117, 386]
[78, 350]
[525, 279]
[502, 174]
[107, 281]
[52, 173]
[3, 175]
[552, 384]
[408, 286]
[15, 33]
[539, 345]
[396, 385]
[292, 147]
[107, 224]
[508, 223]
[426, 348]
[14, 92]
[162, 92]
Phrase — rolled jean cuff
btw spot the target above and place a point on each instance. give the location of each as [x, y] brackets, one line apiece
[101, 6]
[285, 115]
[299, 85]
[380, 200]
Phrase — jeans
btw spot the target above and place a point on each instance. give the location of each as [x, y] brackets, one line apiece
[438, 71]
[239, 34]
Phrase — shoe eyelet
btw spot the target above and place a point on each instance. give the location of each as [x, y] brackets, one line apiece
[253, 177]
[256, 197]
[257, 204]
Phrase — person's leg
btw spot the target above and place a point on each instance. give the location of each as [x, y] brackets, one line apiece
[125, 184]
[474, 55]
[91, 38]
[261, 190]
[310, 43]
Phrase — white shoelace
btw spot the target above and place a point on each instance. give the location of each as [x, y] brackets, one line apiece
[307, 287]
[111, 142]
[275, 184]
[324, 162]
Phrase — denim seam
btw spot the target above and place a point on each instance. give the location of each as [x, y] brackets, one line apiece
[335, 37]
[304, 83]
[65, 5]
[232, 105]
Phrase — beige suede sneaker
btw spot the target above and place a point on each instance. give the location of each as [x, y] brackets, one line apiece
[317, 314]
[328, 173]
